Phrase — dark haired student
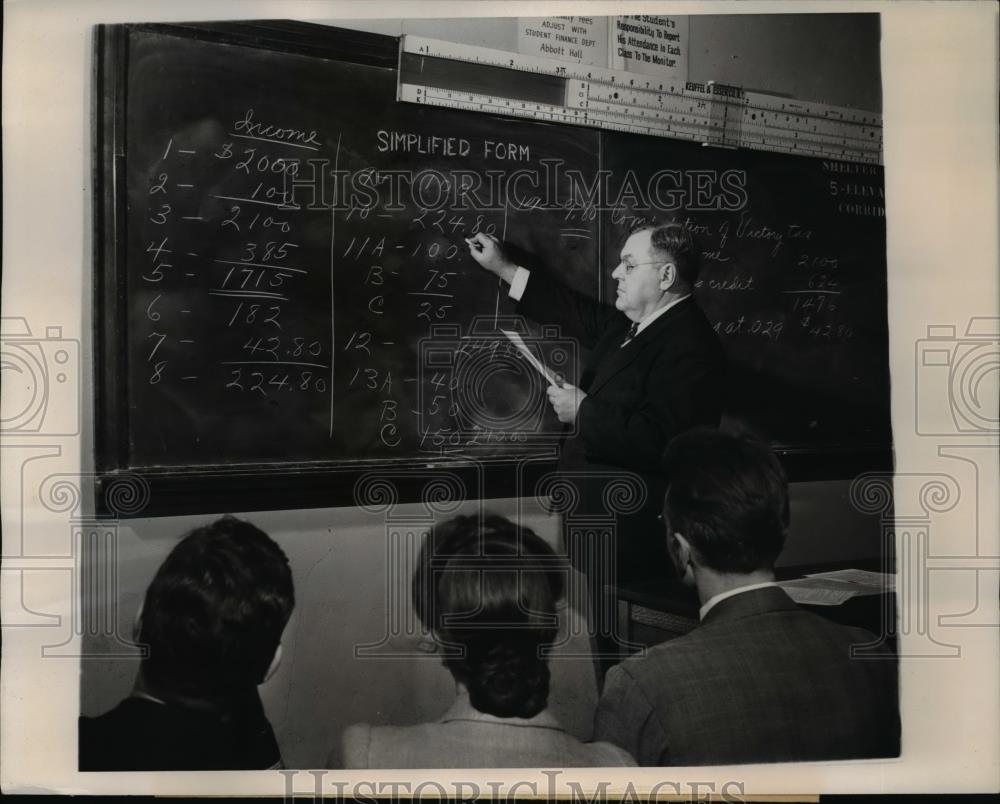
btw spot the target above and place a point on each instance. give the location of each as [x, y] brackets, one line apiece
[487, 590]
[760, 679]
[212, 620]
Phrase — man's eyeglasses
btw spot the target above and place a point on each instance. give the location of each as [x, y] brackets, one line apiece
[631, 266]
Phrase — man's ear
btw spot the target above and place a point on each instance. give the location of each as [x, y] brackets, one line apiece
[668, 275]
[685, 559]
[683, 550]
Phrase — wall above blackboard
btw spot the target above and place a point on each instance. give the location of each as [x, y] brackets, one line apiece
[284, 298]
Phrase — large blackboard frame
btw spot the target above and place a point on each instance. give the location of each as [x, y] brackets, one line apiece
[199, 489]
[125, 490]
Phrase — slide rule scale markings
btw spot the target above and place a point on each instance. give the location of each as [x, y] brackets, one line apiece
[483, 80]
[478, 102]
[611, 119]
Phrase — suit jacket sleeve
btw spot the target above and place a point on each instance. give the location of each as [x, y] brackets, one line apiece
[681, 387]
[681, 390]
[579, 316]
[626, 718]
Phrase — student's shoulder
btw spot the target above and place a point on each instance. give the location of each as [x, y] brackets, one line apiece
[129, 713]
[355, 743]
[607, 755]
[363, 745]
[654, 661]
[115, 739]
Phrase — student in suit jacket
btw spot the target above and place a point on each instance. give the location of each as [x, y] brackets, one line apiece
[212, 620]
[655, 369]
[759, 680]
[487, 589]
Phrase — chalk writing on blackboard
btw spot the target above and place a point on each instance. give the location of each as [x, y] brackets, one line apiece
[292, 270]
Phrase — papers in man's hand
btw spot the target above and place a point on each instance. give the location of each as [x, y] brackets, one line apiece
[834, 588]
[522, 347]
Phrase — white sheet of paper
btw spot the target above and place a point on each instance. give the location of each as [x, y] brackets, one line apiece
[522, 347]
[818, 593]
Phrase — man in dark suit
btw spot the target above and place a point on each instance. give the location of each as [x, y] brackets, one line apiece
[760, 680]
[212, 621]
[655, 368]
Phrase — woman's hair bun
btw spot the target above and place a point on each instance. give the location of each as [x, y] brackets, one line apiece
[510, 680]
[488, 589]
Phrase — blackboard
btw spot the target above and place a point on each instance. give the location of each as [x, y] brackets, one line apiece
[284, 299]
[793, 278]
[294, 286]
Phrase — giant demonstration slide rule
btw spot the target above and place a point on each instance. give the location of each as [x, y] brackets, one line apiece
[478, 79]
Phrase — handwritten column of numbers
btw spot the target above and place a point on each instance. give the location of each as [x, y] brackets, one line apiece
[452, 389]
[813, 309]
[167, 263]
[256, 270]
[371, 341]
[243, 261]
[407, 279]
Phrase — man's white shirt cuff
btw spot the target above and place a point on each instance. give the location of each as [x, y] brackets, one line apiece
[519, 283]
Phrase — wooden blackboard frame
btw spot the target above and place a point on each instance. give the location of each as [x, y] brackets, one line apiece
[202, 489]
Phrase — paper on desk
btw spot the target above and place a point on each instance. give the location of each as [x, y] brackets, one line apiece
[820, 592]
[522, 347]
[874, 582]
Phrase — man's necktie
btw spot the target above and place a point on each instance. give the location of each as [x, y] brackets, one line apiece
[632, 331]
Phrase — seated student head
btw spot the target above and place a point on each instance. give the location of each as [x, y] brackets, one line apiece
[726, 507]
[214, 614]
[487, 589]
